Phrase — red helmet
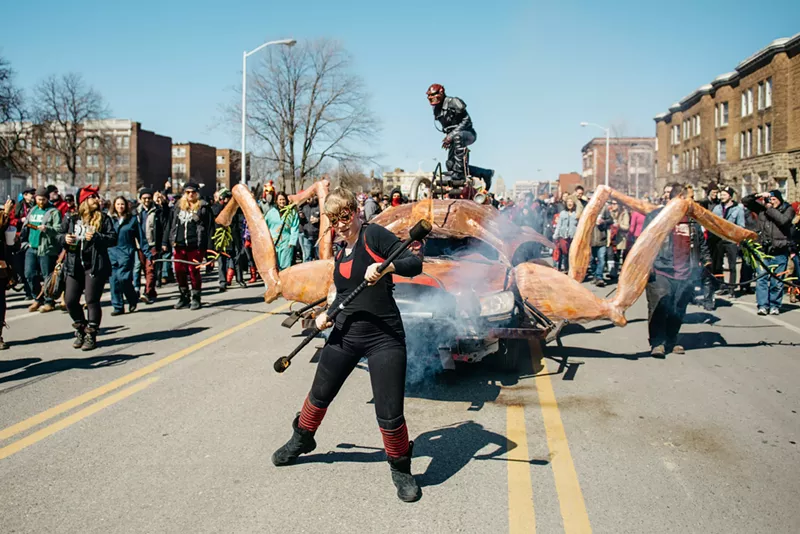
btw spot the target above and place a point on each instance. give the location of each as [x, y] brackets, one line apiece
[435, 94]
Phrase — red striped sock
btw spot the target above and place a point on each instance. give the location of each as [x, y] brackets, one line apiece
[311, 416]
[395, 441]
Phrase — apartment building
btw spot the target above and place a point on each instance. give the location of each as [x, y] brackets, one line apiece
[741, 130]
[229, 168]
[194, 162]
[116, 155]
[631, 165]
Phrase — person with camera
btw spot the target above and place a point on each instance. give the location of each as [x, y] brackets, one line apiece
[774, 227]
[42, 251]
[86, 238]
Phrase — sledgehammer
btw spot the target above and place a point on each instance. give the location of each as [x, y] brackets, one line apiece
[417, 233]
[295, 315]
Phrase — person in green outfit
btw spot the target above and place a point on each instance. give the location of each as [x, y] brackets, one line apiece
[43, 223]
[284, 226]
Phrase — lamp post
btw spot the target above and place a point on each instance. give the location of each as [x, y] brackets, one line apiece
[608, 138]
[287, 42]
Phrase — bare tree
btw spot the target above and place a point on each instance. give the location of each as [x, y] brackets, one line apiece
[13, 117]
[308, 107]
[64, 107]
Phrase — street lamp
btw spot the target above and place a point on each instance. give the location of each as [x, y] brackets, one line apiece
[608, 137]
[287, 42]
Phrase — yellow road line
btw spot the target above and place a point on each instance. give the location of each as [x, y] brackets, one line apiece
[49, 430]
[521, 516]
[119, 382]
[570, 497]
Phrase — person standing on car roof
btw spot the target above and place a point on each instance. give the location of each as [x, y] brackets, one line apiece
[451, 113]
[369, 327]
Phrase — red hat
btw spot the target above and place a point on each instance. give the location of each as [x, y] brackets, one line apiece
[87, 192]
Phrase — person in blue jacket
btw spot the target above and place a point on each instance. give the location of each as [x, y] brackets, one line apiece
[123, 257]
[733, 212]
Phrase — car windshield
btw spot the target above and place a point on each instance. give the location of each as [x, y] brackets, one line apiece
[459, 247]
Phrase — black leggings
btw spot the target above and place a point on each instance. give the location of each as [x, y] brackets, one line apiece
[3, 303]
[386, 356]
[84, 284]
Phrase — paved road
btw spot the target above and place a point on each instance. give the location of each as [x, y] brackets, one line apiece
[169, 426]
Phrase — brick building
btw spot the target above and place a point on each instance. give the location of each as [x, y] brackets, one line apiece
[567, 182]
[742, 129]
[229, 168]
[194, 162]
[117, 155]
[631, 166]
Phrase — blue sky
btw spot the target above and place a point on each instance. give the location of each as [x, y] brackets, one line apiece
[530, 72]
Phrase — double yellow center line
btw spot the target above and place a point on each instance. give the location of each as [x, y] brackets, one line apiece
[55, 411]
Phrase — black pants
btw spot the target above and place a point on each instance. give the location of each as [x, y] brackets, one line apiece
[725, 249]
[92, 288]
[386, 357]
[3, 305]
[458, 159]
[226, 263]
[667, 299]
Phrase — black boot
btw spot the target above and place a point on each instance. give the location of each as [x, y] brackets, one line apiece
[183, 298]
[195, 305]
[90, 337]
[301, 442]
[80, 335]
[407, 489]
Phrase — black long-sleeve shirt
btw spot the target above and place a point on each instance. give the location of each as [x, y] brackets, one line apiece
[375, 243]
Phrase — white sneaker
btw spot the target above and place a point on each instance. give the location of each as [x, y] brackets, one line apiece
[762, 311]
[774, 311]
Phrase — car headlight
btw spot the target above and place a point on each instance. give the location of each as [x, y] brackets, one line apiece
[331, 294]
[497, 304]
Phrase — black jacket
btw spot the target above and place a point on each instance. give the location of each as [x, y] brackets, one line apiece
[236, 230]
[773, 225]
[191, 229]
[699, 255]
[452, 115]
[93, 255]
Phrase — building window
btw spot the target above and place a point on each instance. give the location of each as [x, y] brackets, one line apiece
[676, 163]
[744, 103]
[750, 101]
[179, 152]
[220, 160]
[58, 160]
[759, 135]
[747, 185]
[220, 173]
[760, 95]
[123, 142]
[722, 150]
[93, 178]
[698, 125]
[763, 182]
[49, 160]
[768, 93]
[749, 143]
[78, 178]
[123, 159]
[179, 168]
[716, 116]
[78, 160]
[107, 160]
[723, 114]
[783, 186]
[91, 160]
[122, 177]
[767, 138]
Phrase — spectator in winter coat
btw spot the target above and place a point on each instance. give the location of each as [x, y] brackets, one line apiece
[191, 226]
[284, 226]
[43, 248]
[599, 246]
[565, 232]
[732, 212]
[86, 239]
[228, 261]
[151, 235]
[372, 205]
[774, 226]
[618, 235]
[122, 257]
[309, 229]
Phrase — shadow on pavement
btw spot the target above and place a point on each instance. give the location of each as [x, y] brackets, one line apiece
[61, 336]
[11, 365]
[65, 364]
[450, 448]
[150, 336]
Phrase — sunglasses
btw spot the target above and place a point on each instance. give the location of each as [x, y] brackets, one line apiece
[344, 216]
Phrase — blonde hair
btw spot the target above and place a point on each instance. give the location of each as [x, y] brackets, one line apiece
[339, 199]
[185, 205]
[89, 216]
